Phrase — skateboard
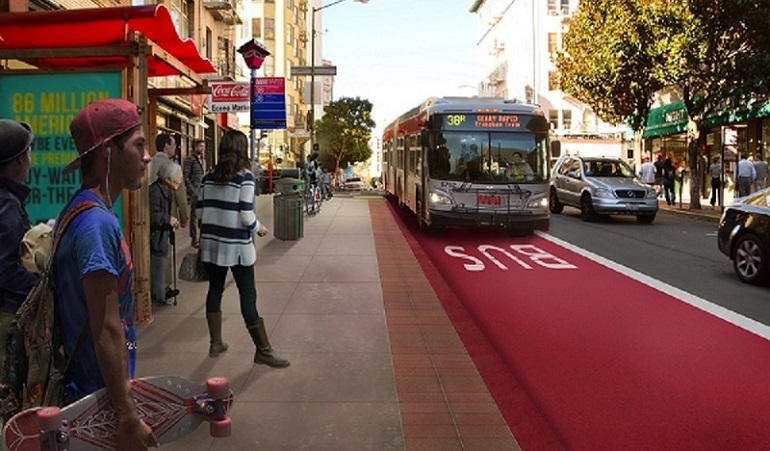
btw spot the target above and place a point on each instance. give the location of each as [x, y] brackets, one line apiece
[171, 406]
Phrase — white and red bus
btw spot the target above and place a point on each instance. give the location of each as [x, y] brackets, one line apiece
[470, 161]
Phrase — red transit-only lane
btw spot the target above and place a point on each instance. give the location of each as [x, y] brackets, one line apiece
[607, 360]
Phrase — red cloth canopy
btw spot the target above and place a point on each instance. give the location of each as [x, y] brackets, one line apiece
[100, 27]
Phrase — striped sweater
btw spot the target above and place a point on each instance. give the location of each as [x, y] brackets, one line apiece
[228, 221]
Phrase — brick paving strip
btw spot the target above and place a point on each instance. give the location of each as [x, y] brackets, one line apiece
[444, 403]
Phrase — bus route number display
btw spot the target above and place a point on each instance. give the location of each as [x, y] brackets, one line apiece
[481, 121]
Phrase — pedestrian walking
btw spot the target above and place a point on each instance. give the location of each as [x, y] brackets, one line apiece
[165, 146]
[162, 225]
[16, 281]
[669, 181]
[193, 168]
[715, 170]
[745, 175]
[647, 172]
[760, 171]
[92, 268]
[228, 226]
[659, 174]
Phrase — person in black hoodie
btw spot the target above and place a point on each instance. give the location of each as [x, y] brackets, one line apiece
[15, 280]
[669, 178]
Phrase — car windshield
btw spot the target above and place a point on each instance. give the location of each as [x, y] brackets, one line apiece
[489, 157]
[607, 168]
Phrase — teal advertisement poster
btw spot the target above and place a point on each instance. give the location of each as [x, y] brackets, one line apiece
[48, 102]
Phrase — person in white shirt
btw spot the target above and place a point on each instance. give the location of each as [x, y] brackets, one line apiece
[647, 172]
[745, 175]
[760, 168]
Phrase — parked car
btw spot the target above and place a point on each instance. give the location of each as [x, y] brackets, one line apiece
[354, 184]
[600, 186]
[744, 236]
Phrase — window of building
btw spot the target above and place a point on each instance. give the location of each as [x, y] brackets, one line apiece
[270, 29]
[209, 44]
[553, 43]
[553, 118]
[566, 119]
[256, 28]
[182, 15]
[553, 80]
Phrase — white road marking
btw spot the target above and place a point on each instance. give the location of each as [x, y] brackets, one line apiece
[731, 317]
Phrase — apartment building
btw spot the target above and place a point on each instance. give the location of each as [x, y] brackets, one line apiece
[517, 45]
[282, 25]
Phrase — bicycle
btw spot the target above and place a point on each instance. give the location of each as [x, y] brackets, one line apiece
[313, 198]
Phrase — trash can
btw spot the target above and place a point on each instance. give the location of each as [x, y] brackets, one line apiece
[288, 204]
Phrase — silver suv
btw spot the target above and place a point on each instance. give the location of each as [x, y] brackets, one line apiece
[600, 186]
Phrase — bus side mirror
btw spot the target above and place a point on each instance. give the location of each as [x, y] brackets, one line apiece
[555, 149]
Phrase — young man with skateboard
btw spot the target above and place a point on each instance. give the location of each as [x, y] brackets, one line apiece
[93, 271]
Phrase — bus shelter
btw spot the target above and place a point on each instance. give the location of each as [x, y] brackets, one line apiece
[53, 63]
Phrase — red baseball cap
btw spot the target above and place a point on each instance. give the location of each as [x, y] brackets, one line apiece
[100, 121]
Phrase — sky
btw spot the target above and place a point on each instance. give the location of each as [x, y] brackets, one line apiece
[397, 53]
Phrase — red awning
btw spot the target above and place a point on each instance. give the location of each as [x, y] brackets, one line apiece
[100, 27]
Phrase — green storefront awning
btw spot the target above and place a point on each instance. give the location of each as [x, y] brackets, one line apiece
[666, 120]
[672, 118]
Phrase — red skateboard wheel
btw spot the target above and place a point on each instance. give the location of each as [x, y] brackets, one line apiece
[49, 419]
[218, 387]
[221, 428]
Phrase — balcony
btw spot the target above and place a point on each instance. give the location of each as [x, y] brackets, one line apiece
[224, 10]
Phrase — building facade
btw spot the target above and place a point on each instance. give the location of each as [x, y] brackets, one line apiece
[518, 41]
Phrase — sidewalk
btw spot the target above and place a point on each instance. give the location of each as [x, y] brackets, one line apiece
[375, 362]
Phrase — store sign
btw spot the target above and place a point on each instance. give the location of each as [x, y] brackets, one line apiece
[229, 97]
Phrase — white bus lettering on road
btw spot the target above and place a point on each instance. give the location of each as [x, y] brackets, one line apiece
[530, 252]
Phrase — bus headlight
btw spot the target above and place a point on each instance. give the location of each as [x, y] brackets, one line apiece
[541, 202]
[602, 192]
[439, 198]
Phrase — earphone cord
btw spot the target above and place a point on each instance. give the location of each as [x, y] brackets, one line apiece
[107, 178]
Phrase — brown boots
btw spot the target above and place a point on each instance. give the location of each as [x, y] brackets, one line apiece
[265, 354]
[217, 346]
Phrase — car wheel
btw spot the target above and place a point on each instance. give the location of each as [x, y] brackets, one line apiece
[645, 219]
[587, 212]
[750, 260]
[554, 205]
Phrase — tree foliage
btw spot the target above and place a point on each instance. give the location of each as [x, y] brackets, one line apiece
[345, 129]
[619, 53]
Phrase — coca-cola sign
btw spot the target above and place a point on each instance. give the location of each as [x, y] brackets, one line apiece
[229, 97]
[230, 92]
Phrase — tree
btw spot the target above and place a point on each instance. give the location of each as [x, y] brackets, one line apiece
[345, 129]
[618, 54]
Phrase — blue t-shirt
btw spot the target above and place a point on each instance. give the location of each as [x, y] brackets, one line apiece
[92, 242]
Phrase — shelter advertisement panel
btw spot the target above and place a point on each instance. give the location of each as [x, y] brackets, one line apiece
[48, 102]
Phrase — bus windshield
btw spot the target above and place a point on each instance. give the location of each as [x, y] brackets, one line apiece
[504, 157]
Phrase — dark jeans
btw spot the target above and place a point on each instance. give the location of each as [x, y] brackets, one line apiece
[247, 290]
[715, 192]
[668, 188]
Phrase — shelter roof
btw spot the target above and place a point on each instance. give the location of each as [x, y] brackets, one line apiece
[100, 27]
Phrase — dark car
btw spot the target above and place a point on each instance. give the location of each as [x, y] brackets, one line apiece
[600, 186]
[744, 236]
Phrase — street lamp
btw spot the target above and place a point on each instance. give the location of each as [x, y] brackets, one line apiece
[311, 113]
[254, 54]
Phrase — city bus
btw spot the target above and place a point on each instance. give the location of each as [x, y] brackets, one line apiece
[470, 162]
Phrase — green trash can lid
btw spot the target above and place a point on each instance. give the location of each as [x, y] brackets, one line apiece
[290, 185]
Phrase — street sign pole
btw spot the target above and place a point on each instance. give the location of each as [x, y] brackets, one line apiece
[254, 147]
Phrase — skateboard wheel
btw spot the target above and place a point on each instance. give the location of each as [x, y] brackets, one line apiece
[218, 387]
[221, 428]
[49, 419]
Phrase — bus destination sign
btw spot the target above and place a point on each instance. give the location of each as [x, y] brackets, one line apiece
[481, 121]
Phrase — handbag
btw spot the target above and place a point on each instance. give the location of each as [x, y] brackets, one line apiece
[192, 268]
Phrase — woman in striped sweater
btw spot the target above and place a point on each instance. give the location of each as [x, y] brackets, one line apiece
[228, 226]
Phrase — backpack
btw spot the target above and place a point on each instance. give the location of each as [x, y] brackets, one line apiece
[35, 365]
